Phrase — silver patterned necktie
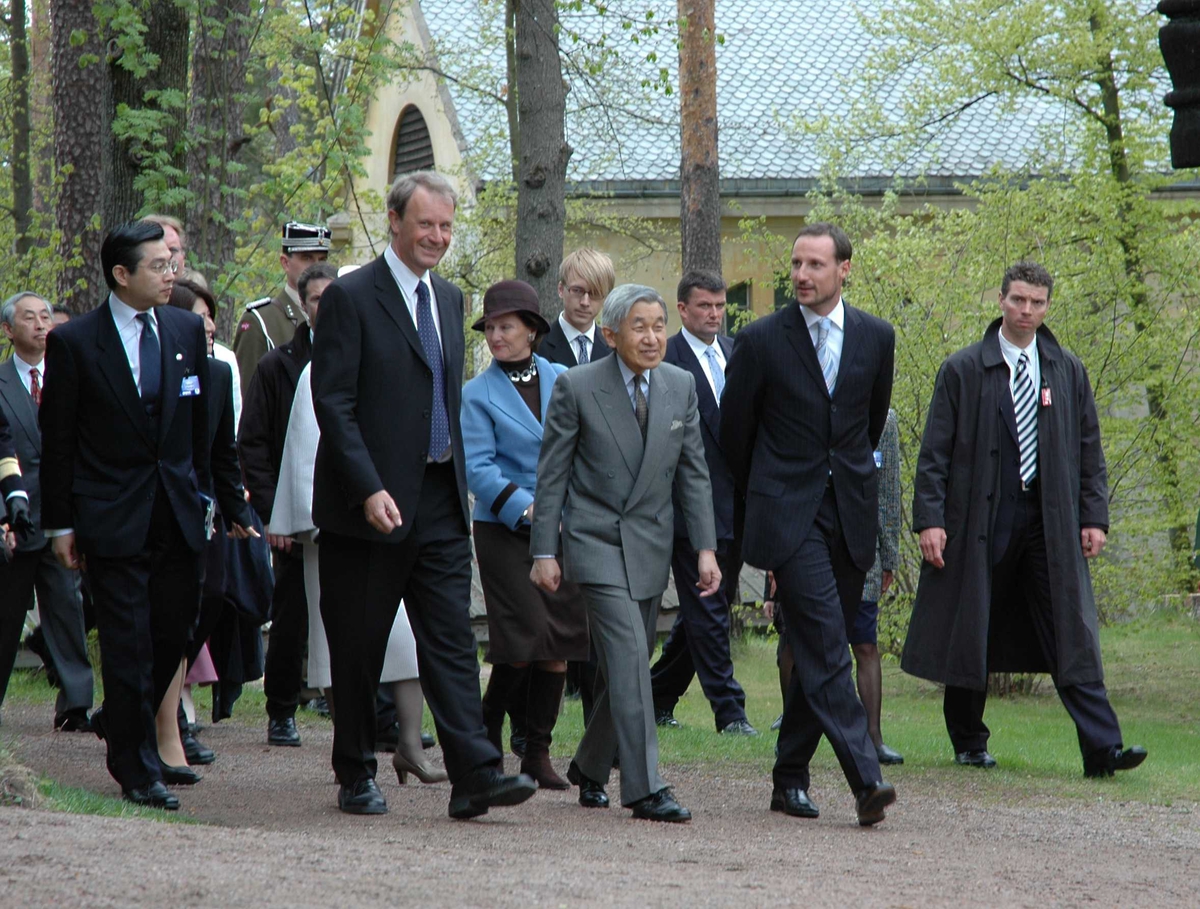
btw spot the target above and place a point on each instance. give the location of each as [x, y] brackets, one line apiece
[824, 354]
[581, 342]
[714, 369]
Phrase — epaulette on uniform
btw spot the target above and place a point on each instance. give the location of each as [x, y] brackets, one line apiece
[257, 303]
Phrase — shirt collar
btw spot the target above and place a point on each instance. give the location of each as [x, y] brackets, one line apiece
[571, 332]
[123, 314]
[699, 347]
[627, 373]
[837, 316]
[293, 293]
[23, 367]
[1012, 353]
[405, 276]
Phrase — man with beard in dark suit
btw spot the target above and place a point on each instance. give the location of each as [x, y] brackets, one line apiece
[806, 399]
[125, 456]
[390, 501]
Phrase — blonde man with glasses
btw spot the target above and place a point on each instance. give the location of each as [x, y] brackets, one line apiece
[584, 280]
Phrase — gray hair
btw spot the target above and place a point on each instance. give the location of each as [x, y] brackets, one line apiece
[622, 298]
[404, 187]
[9, 309]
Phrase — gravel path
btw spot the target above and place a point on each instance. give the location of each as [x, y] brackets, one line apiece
[270, 836]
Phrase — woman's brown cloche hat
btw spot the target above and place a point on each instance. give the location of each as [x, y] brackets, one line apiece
[504, 297]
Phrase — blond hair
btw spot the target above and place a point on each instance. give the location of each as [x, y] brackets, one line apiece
[593, 268]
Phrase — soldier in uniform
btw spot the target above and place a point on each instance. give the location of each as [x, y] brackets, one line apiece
[272, 321]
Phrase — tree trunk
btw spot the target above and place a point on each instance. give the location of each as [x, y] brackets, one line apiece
[166, 36]
[79, 144]
[41, 105]
[220, 52]
[22, 181]
[542, 169]
[699, 168]
[510, 97]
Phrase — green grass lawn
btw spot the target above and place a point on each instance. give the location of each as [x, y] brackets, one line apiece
[1153, 678]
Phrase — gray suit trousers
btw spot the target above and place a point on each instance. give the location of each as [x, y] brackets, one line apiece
[622, 631]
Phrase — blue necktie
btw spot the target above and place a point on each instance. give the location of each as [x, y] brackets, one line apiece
[150, 360]
[824, 354]
[581, 342]
[714, 367]
[439, 428]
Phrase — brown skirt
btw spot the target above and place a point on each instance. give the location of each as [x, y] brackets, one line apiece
[524, 622]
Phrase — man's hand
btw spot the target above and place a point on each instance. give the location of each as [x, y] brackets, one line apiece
[274, 540]
[546, 574]
[8, 540]
[64, 551]
[19, 521]
[1092, 539]
[238, 532]
[933, 544]
[381, 512]
[710, 574]
[886, 582]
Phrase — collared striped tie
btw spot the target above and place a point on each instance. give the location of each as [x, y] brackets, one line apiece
[714, 369]
[1025, 405]
[824, 354]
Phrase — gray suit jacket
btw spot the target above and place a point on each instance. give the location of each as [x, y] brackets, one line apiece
[21, 414]
[612, 491]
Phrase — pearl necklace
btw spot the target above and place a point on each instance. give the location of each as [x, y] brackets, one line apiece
[524, 375]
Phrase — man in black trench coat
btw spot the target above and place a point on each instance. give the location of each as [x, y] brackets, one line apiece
[1011, 500]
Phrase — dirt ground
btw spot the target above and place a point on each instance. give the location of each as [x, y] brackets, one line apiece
[270, 836]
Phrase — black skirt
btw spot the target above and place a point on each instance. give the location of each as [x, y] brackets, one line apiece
[525, 623]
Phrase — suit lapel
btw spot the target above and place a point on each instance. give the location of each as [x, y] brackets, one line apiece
[556, 341]
[797, 333]
[506, 399]
[19, 402]
[173, 354]
[656, 436]
[115, 366]
[710, 410]
[387, 292]
[1008, 412]
[618, 414]
[452, 339]
[851, 340]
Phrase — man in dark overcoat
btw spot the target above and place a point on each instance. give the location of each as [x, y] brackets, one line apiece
[1010, 501]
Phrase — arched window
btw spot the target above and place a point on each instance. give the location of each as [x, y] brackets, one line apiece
[414, 150]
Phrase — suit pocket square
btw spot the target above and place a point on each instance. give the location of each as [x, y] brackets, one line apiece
[676, 424]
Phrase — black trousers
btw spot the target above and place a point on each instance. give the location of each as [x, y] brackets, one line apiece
[362, 584]
[284, 674]
[62, 622]
[818, 586]
[1024, 572]
[698, 644]
[145, 607]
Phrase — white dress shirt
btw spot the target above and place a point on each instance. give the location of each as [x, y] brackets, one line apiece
[225, 355]
[23, 372]
[570, 332]
[837, 332]
[698, 348]
[407, 281]
[129, 327]
[1012, 354]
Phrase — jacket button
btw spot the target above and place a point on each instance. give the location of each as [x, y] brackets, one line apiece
[425, 414]
[995, 452]
[611, 474]
[982, 538]
[833, 408]
[989, 496]
[831, 452]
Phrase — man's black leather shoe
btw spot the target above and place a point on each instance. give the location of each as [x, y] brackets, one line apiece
[794, 802]
[487, 787]
[591, 793]
[778, 724]
[872, 801]
[283, 732]
[978, 758]
[363, 797]
[387, 738]
[98, 724]
[666, 719]
[427, 740]
[195, 751]
[178, 776]
[888, 755]
[156, 795]
[739, 727]
[1106, 762]
[661, 806]
[73, 721]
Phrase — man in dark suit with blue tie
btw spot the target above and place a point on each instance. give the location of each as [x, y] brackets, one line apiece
[699, 641]
[390, 500]
[806, 399]
[125, 456]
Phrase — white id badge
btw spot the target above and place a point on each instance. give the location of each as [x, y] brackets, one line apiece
[190, 387]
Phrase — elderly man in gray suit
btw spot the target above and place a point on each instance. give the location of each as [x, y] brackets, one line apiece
[621, 434]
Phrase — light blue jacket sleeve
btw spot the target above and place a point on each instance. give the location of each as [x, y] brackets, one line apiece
[485, 476]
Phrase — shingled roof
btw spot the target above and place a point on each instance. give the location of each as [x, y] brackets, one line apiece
[780, 59]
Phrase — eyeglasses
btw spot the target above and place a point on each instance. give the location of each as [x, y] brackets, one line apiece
[161, 267]
[578, 293]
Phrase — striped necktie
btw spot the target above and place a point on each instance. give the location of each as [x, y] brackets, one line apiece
[824, 354]
[1025, 406]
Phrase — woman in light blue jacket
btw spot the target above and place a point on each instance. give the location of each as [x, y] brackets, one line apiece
[502, 412]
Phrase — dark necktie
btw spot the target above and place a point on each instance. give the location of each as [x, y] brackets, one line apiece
[1025, 405]
[150, 359]
[581, 342]
[35, 387]
[439, 427]
[640, 410]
